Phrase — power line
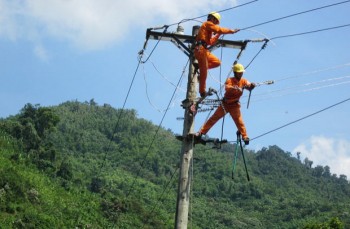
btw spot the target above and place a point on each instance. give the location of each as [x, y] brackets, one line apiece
[154, 137]
[313, 72]
[301, 75]
[305, 90]
[205, 15]
[314, 31]
[256, 55]
[291, 35]
[178, 88]
[305, 85]
[161, 196]
[119, 117]
[300, 119]
[166, 78]
[267, 95]
[292, 15]
[149, 99]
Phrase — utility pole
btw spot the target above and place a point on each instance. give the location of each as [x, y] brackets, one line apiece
[185, 178]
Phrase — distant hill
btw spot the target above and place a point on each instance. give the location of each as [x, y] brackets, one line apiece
[84, 165]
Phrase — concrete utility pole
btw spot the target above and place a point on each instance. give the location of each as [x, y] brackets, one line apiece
[184, 188]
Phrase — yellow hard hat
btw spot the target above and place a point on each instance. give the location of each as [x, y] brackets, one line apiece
[238, 68]
[216, 15]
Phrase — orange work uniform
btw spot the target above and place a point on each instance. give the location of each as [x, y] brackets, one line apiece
[206, 60]
[230, 104]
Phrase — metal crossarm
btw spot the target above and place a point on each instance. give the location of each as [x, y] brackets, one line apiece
[230, 44]
[181, 40]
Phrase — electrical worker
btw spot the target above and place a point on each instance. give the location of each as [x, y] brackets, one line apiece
[234, 87]
[208, 34]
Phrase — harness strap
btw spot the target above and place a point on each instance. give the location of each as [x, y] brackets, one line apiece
[201, 43]
[225, 100]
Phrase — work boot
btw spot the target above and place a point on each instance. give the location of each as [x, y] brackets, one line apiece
[246, 140]
[211, 91]
[207, 93]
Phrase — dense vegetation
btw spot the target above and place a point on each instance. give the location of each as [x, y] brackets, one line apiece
[81, 165]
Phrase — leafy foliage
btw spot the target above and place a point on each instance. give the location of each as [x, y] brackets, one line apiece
[89, 166]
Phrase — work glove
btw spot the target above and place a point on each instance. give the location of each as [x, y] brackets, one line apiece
[250, 87]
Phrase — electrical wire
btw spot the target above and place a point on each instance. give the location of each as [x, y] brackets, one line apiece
[219, 11]
[292, 76]
[312, 72]
[168, 81]
[262, 34]
[301, 91]
[262, 47]
[292, 35]
[304, 85]
[296, 14]
[153, 139]
[300, 119]
[314, 31]
[149, 100]
[297, 89]
[302, 75]
[284, 78]
[119, 117]
[161, 196]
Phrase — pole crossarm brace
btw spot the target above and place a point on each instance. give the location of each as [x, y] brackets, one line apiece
[181, 40]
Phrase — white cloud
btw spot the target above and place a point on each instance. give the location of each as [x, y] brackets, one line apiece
[8, 26]
[94, 24]
[41, 53]
[327, 151]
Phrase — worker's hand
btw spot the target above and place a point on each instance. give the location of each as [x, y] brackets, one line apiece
[252, 86]
[234, 30]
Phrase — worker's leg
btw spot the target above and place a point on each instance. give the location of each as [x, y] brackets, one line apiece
[201, 56]
[235, 112]
[219, 113]
[213, 61]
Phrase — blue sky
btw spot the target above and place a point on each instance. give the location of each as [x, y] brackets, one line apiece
[54, 51]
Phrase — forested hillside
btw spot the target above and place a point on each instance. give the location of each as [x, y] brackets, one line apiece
[86, 165]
